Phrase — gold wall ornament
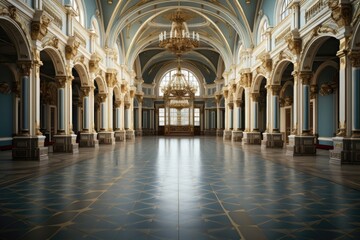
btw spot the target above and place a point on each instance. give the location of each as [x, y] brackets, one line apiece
[275, 90]
[71, 48]
[255, 96]
[61, 81]
[5, 88]
[341, 13]
[25, 67]
[246, 79]
[305, 77]
[313, 90]
[355, 58]
[101, 97]
[328, 88]
[117, 103]
[39, 25]
[111, 79]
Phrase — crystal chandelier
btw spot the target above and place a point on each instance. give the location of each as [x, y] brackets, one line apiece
[179, 40]
[178, 87]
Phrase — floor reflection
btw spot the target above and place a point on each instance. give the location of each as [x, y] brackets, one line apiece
[178, 188]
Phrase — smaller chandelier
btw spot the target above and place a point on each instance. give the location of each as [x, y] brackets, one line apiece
[179, 40]
[178, 87]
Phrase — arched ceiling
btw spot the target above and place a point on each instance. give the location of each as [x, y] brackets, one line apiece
[134, 25]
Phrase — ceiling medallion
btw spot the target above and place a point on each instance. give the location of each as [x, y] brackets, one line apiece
[179, 40]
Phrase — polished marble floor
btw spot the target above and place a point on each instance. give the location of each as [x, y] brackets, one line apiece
[179, 188]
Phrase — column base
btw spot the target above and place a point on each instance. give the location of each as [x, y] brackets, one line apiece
[106, 138]
[227, 135]
[138, 132]
[237, 136]
[219, 132]
[65, 144]
[29, 148]
[301, 146]
[130, 135]
[120, 136]
[272, 140]
[210, 132]
[88, 140]
[251, 138]
[346, 151]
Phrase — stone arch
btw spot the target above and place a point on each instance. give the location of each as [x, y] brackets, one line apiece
[310, 50]
[356, 36]
[57, 60]
[83, 73]
[239, 92]
[117, 93]
[100, 81]
[325, 64]
[17, 34]
[255, 88]
[279, 70]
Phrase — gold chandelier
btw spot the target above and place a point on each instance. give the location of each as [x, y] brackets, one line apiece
[179, 40]
[178, 87]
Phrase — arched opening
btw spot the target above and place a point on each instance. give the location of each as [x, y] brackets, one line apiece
[77, 104]
[48, 98]
[324, 97]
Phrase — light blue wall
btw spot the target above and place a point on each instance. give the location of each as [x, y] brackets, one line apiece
[326, 107]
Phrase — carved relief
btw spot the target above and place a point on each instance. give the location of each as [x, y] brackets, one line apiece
[246, 79]
[71, 48]
[355, 58]
[39, 25]
[313, 91]
[341, 13]
[111, 79]
[94, 63]
[305, 77]
[294, 42]
[52, 42]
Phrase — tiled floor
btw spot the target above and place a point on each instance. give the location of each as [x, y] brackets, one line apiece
[179, 188]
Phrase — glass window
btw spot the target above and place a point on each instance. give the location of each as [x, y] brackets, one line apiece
[161, 116]
[196, 116]
[189, 76]
[263, 31]
[284, 11]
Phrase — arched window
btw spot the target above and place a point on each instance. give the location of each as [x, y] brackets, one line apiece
[284, 11]
[95, 27]
[263, 29]
[78, 8]
[189, 76]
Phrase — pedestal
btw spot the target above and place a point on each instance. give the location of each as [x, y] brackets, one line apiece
[29, 148]
[138, 132]
[130, 135]
[219, 132]
[237, 136]
[272, 140]
[253, 138]
[301, 146]
[346, 151]
[227, 135]
[106, 138]
[120, 136]
[88, 140]
[65, 144]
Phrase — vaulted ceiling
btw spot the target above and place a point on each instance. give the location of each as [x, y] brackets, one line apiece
[223, 25]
